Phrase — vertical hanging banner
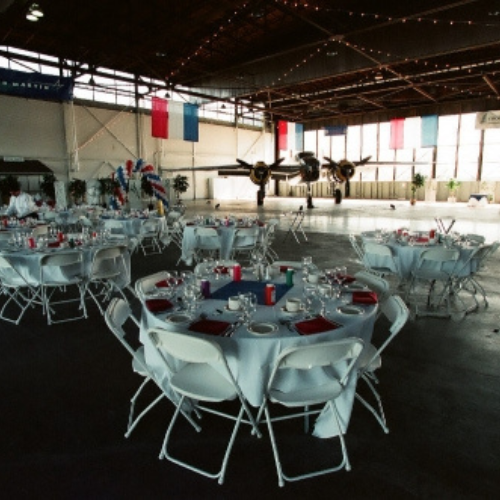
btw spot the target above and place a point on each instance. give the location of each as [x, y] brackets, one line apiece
[429, 131]
[159, 118]
[282, 135]
[175, 120]
[397, 133]
[299, 137]
[191, 122]
[336, 130]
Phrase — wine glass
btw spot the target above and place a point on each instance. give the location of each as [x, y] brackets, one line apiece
[306, 267]
[309, 293]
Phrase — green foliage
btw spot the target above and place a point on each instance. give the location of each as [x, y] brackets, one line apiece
[146, 186]
[108, 185]
[77, 188]
[417, 182]
[453, 185]
[9, 184]
[180, 185]
[47, 186]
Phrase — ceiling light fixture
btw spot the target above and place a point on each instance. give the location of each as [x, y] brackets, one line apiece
[379, 76]
[34, 13]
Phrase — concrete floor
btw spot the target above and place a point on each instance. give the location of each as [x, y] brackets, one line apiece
[65, 390]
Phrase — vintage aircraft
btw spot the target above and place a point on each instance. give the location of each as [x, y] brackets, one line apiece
[308, 167]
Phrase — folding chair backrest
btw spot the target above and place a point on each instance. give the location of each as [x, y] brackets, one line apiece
[322, 354]
[433, 256]
[40, 230]
[62, 259]
[116, 315]
[148, 283]
[374, 282]
[188, 348]
[378, 249]
[396, 311]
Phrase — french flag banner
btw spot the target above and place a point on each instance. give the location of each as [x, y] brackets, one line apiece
[290, 136]
[174, 120]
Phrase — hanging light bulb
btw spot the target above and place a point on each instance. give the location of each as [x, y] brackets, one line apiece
[36, 10]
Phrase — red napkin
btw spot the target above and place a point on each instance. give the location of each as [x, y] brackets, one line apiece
[364, 298]
[423, 239]
[221, 270]
[347, 278]
[315, 325]
[54, 244]
[210, 326]
[283, 269]
[158, 305]
[162, 284]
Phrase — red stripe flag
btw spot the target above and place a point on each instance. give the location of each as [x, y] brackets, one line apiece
[397, 133]
[159, 118]
[282, 135]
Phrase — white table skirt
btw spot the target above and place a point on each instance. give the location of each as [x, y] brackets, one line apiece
[251, 356]
[27, 263]
[408, 257]
[226, 234]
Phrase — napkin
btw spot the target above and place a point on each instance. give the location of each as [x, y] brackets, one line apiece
[422, 239]
[210, 326]
[162, 284]
[53, 244]
[347, 278]
[364, 298]
[158, 305]
[221, 270]
[315, 325]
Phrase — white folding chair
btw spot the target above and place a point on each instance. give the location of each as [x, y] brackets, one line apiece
[432, 279]
[336, 359]
[58, 272]
[375, 283]
[149, 234]
[201, 373]
[117, 314]
[357, 245]
[208, 243]
[396, 312]
[108, 265]
[477, 262]
[147, 284]
[264, 247]
[245, 243]
[379, 259]
[18, 291]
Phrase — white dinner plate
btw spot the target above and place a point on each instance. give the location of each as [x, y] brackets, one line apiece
[352, 310]
[179, 318]
[262, 328]
[298, 311]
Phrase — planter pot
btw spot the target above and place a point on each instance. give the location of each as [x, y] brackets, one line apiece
[413, 201]
[452, 199]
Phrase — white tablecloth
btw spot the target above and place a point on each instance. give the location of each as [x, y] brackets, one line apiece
[251, 356]
[27, 263]
[226, 234]
[408, 257]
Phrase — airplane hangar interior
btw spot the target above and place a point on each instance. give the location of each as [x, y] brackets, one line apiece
[335, 118]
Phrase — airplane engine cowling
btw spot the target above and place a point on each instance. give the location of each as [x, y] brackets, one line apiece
[260, 173]
[309, 169]
[346, 170]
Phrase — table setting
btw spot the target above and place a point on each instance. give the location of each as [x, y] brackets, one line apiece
[251, 330]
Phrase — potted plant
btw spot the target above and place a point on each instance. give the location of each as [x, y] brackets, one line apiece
[452, 186]
[9, 184]
[180, 185]
[417, 182]
[47, 186]
[77, 189]
[147, 189]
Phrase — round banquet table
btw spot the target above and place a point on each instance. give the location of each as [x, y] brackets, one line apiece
[408, 256]
[226, 234]
[27, 262]
[132, 225]
[251, 356]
